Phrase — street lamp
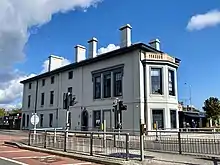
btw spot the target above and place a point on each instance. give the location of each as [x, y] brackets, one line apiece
[190, 95]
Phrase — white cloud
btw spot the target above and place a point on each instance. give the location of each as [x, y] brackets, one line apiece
[109, 48]
[201, 21]
[17, 17]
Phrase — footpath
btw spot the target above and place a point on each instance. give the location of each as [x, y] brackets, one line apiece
[151, 158]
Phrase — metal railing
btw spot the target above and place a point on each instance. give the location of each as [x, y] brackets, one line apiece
[106, 144]
[124, 145]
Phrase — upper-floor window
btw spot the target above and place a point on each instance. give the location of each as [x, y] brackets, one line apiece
[108, 82]
[107, 85]
[43, 82]
[70, 75]
[29, 85]
[156, 80]
[51, 97]
[42, 98]
[97, 87]
[29, 101]
[171, 84]
[118, 84]
[52, 80]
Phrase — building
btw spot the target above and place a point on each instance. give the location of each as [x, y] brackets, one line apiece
[141, 75]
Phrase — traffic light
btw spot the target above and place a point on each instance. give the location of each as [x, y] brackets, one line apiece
[65, 101]
[122, 107]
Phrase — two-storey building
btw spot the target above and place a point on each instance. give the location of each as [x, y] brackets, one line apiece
[141, 75]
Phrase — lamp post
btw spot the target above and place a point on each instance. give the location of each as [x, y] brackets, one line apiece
[190, 96]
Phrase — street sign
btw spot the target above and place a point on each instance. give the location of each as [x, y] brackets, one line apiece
[35, 119]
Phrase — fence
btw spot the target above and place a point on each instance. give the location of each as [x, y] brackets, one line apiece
[108, 144]
[125, 145]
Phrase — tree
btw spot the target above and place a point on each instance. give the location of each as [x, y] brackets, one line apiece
[212, 108]
[2, 112]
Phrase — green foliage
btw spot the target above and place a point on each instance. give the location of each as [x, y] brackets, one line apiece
[2, 112]
[212, 108]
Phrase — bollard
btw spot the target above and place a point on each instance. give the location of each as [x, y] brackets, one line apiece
[127, 147]
[91, 144]
[45, 139]
[179, 141]
[65, 140]
[29, 138]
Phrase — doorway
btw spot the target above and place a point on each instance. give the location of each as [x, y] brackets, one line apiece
[84, 120]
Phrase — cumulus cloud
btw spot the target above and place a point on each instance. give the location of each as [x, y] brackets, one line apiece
[17, 19]
[201, 21]
[109, 48]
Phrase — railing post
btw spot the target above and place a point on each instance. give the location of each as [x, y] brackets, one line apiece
[29, 138]
[127, 147]
[65, 140]
[179, 142]
[45, 139]
[91, 144]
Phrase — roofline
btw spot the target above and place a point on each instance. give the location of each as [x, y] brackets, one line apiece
[107, 55]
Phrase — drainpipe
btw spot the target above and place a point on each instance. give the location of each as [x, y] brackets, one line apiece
[35, 109]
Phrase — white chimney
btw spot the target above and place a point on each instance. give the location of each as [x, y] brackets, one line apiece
[155, 44]
[54, 62]
[80, 53]
[92, 47]
[125, 35]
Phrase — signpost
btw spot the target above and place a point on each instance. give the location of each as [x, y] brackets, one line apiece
[34, 121]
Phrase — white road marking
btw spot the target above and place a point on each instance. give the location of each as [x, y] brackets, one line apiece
[85, 163]
[34, 157]
[12, 151]
[13, 161]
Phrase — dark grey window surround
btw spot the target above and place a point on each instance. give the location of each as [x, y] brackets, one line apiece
[117, 88]
[70, 74]
[29, 101]
[156, 80]
[41, 120]
[50, 120]
[42, 99]
[173, 121]
[171, 82]
[96, 118]
[51, 97]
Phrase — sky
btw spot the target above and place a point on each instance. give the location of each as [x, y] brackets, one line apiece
[30, 31]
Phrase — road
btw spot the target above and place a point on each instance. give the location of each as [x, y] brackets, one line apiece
[15, 156]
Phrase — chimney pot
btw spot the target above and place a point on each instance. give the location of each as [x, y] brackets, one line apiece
[93, 47]
[155, 43]
[80, 53]
[125, 35]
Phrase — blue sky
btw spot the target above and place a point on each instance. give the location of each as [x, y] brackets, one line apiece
[198, 48]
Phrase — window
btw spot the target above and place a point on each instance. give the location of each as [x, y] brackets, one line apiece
[173, 118]
[156, 80]
[97, 118]
[29, 101]
[43, 82]
[41, 120]
[52, 80]
[42, 98]
[118, 84]
[97, 87]
[158, 118]
[50, 120]
[27, 120]
[51, 97]
[107, 85]
[29, 86]
[171, 82]
[69, 119]
[70, 75]
[23, 121]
